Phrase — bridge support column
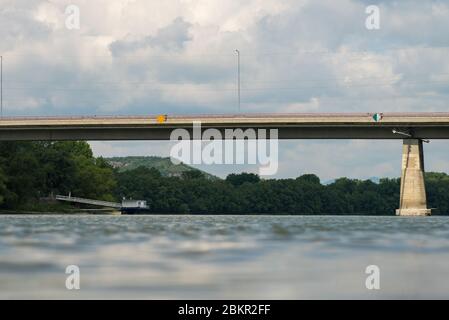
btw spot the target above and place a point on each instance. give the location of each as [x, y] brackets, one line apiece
[413, 200]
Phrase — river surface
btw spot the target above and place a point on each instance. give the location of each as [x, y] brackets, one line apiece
[223, 257]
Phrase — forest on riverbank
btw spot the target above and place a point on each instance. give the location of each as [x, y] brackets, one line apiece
[30, 171]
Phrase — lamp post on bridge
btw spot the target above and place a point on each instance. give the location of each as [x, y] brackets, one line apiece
[238, 77]
[1, 86]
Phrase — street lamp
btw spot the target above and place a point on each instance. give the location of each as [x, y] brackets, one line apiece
[408, 135]
[1, 86]
[238, 77]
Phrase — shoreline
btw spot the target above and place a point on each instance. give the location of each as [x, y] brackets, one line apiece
[115, 213]
[85, 212]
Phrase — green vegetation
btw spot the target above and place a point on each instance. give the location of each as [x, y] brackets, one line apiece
[246, 193]
[32, 170]
[162, 164]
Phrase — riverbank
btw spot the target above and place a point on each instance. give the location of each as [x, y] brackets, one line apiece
[74, 212]
[55, 208]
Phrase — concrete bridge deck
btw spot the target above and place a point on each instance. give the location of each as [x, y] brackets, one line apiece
[423, 125]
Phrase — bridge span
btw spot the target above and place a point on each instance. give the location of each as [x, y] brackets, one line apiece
[412, 128]
[290, 126]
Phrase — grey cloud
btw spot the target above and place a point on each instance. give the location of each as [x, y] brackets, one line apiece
[172, 37]
[18, 25]
[269, 81]
[319, 24]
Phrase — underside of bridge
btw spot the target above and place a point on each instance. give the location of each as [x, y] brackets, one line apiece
[413, 200]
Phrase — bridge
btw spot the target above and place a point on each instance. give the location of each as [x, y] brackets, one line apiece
[290, 126]
[412, 128]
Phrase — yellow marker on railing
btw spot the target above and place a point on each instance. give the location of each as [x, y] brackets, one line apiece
[161, 118]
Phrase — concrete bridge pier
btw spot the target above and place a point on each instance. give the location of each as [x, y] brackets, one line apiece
[413, 200]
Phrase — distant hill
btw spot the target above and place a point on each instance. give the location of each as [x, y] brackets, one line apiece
[373, 179]
[164, 165]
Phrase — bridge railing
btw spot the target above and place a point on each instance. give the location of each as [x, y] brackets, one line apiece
[89, 201]
[224, 115]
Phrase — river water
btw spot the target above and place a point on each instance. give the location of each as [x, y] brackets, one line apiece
[221, 257]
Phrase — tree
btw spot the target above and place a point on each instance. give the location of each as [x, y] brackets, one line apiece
[309, 179]
[30, 170]
[239, 179]
[192, 174]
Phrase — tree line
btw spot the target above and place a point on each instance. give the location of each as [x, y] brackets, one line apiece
[32, 170]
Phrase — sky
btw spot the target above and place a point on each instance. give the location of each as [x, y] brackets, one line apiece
[139, 57]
